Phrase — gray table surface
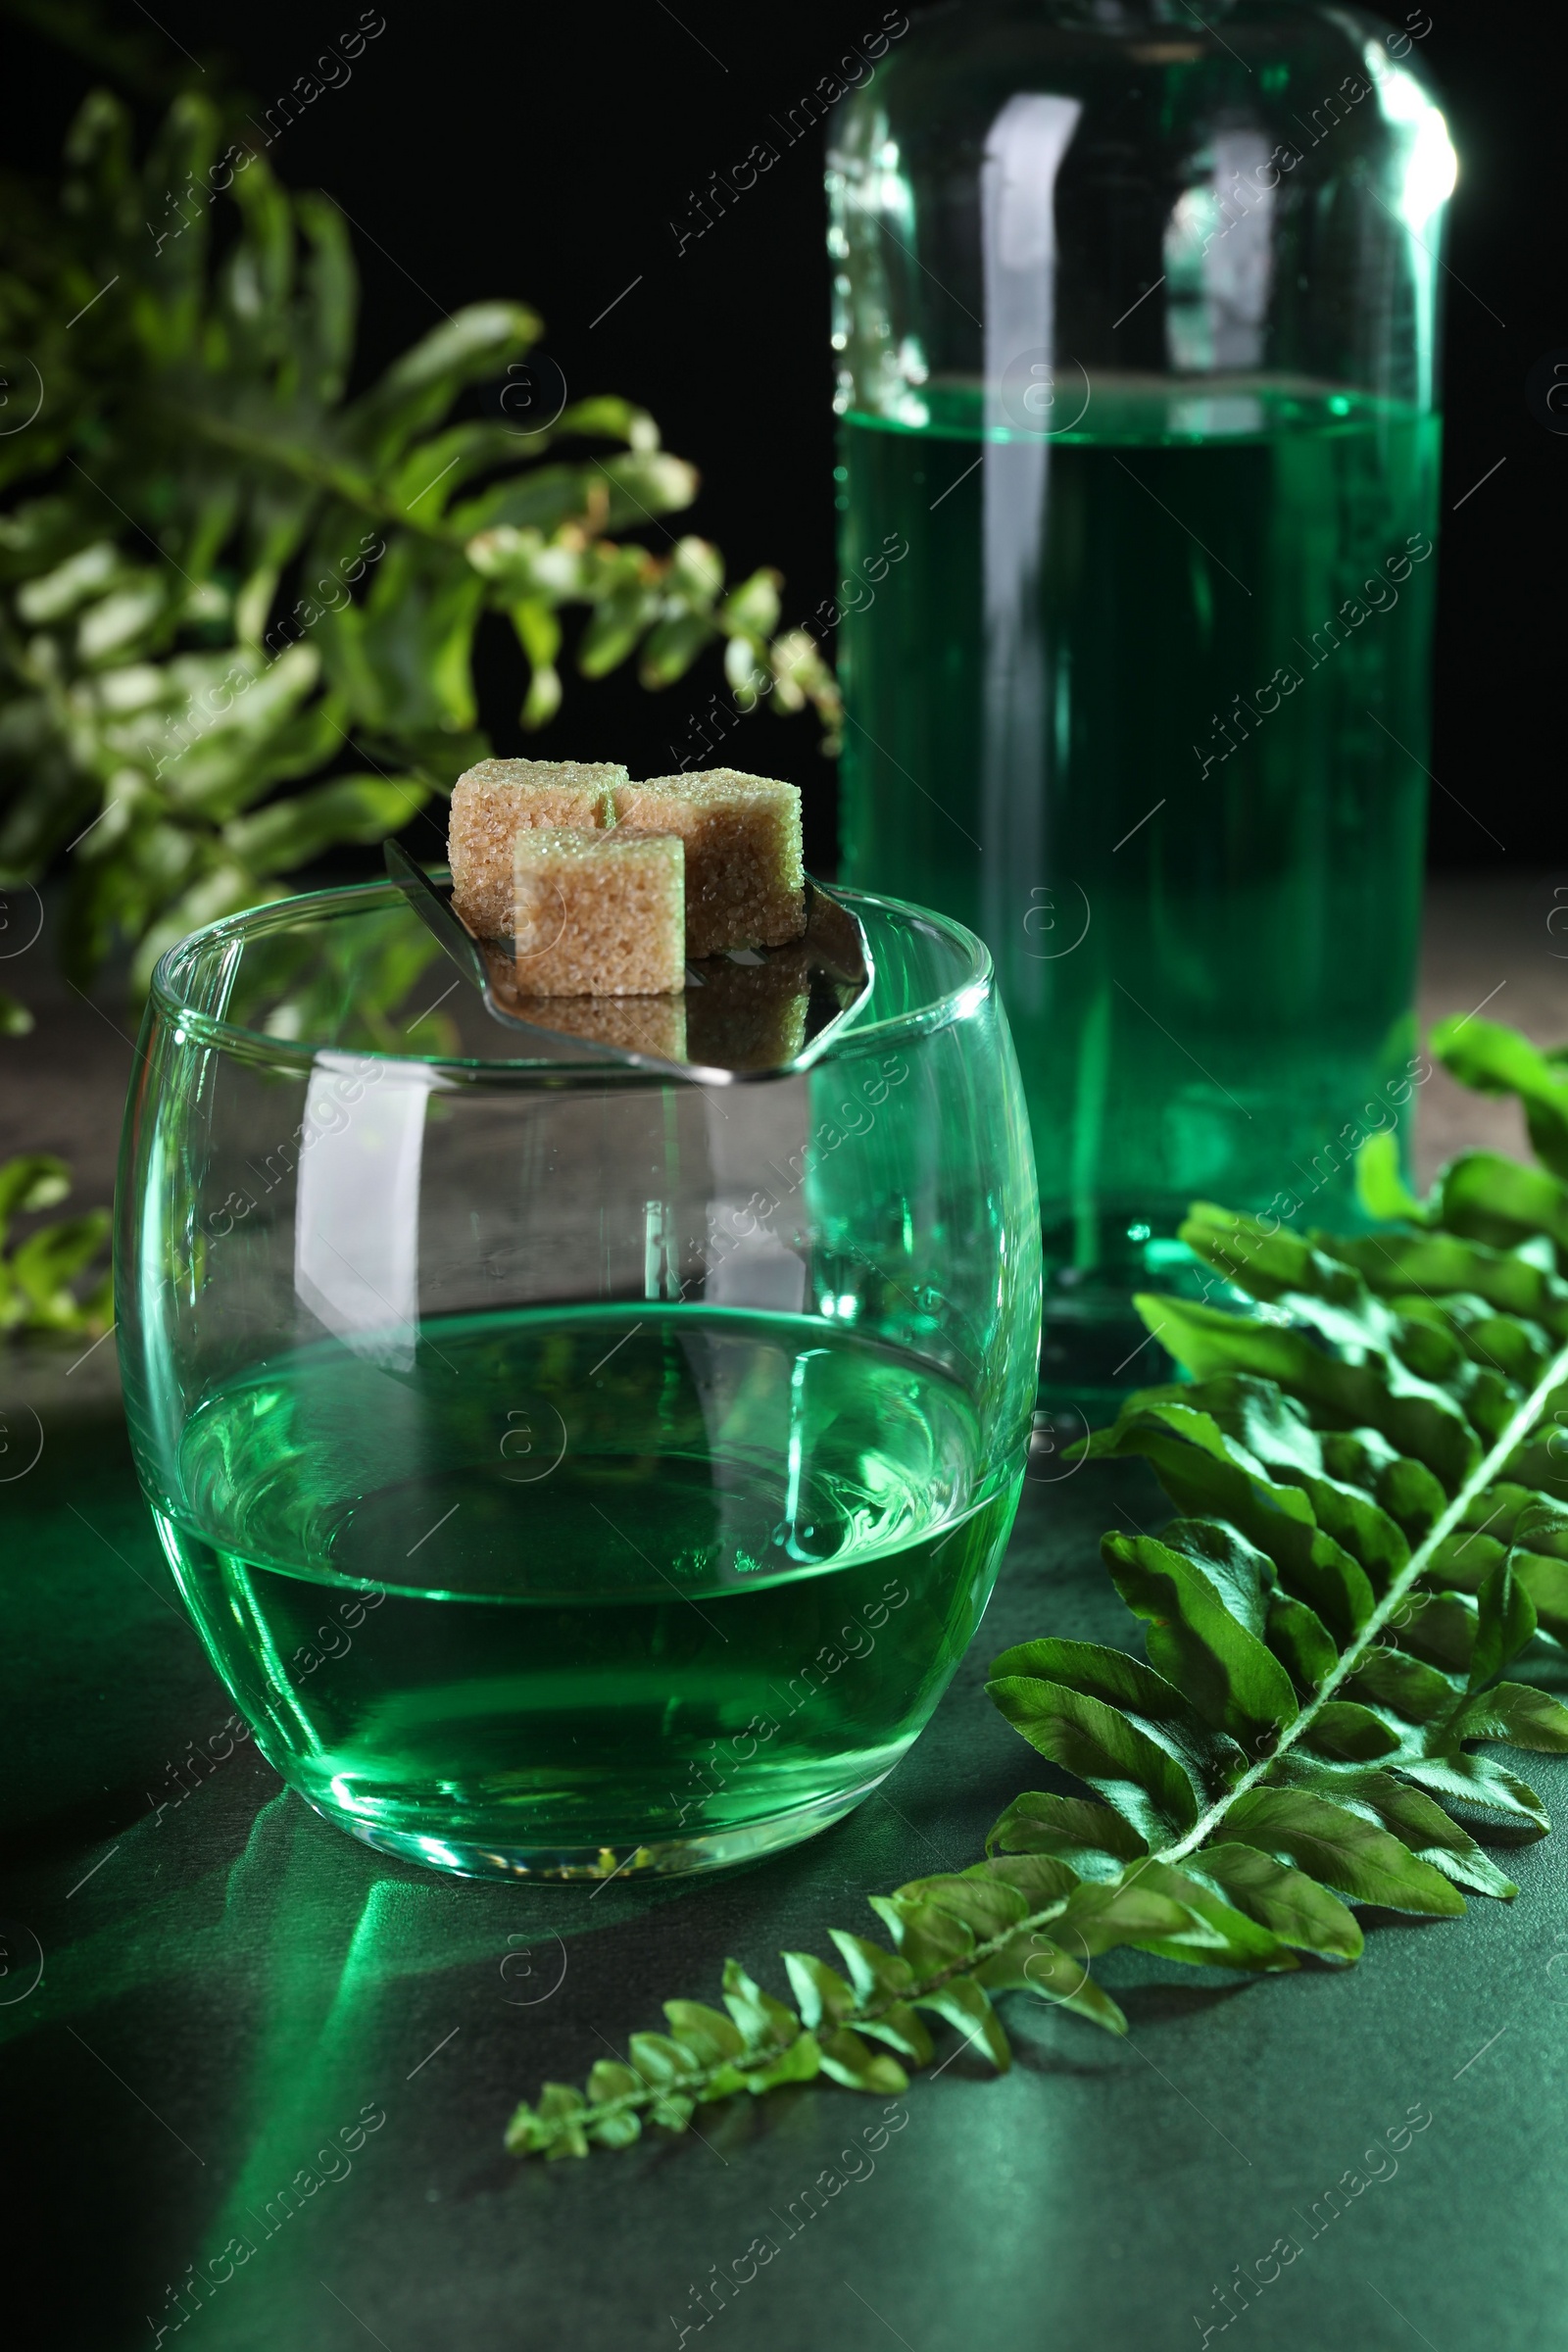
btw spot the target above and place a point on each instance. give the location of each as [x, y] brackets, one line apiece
[225, 1985]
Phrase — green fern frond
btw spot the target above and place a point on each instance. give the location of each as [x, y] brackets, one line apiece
[222, 578]
[1371, 1477]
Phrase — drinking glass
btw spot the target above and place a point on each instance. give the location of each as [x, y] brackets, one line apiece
[571, 1471]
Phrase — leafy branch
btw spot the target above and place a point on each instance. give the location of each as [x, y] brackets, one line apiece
[239, 606]
[1373, 1526]
[41, 1277]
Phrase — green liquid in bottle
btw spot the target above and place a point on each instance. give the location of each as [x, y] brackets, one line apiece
[1203, 916]
[569, 1585]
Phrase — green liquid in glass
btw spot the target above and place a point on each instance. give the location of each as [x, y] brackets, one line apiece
[649, 1576]
[1206, 994]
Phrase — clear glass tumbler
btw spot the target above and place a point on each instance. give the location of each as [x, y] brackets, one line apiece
[570, 1471]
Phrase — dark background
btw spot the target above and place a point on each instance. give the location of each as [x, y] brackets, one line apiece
[542, 152]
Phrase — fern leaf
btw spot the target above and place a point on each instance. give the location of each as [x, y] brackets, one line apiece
[1369, 1471]
[333, 557]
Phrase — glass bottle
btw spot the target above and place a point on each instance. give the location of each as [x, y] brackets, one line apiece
[1135, 325]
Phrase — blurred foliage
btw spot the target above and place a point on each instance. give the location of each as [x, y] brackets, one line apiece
[347, 985]
[237, 608]
[41, 1277]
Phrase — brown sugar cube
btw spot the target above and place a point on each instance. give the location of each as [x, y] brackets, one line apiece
[599, 914]
[637, 1024]
[499, 799]
[745, 880]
